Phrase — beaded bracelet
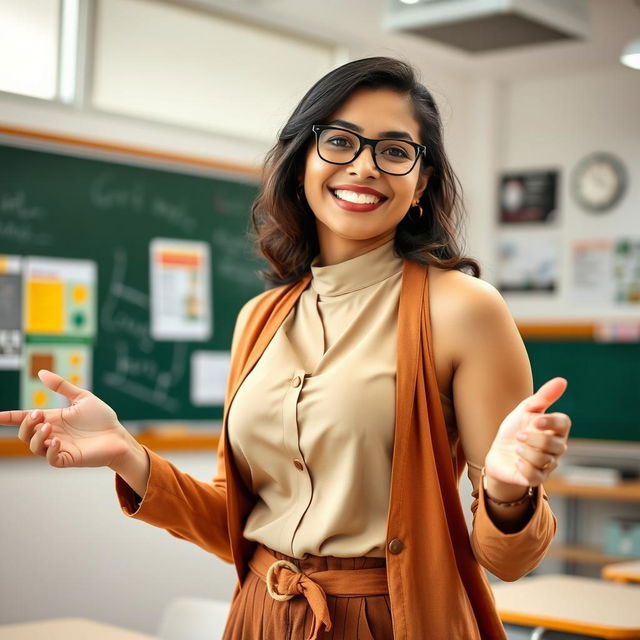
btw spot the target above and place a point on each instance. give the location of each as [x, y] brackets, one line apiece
[527, 496]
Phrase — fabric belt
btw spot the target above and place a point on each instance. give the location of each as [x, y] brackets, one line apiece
[285, 581]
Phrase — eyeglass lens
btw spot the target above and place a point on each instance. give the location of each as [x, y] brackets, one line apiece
[392, 156]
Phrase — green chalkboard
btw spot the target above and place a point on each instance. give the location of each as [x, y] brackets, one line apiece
[62, 205]
[604, 385]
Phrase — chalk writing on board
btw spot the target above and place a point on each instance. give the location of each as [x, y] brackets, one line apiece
[135, 370]
[226, 205]
[17, 214]
[114, 318]
[107, 193]
[127, 367]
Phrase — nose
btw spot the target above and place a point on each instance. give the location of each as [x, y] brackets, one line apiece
[364, 164]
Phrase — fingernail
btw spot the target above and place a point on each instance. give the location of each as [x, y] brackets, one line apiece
[522, 437]
[543, 422]
[34, 414]
[44, 427]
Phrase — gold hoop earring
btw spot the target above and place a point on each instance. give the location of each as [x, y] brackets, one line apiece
[409, 213]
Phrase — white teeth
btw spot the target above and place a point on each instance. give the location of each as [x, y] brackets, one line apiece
[357, 198]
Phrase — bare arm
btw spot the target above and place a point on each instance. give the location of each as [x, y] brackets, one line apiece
[492, 375]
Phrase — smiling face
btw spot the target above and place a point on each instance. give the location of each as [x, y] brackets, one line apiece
[357, 207]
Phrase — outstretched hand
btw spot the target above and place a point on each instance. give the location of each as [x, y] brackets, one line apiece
[85, 434]
[529, 441]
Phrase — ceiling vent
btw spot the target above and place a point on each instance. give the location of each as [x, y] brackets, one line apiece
[488, 25]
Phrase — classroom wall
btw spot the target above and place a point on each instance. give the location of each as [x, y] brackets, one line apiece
[553, 122]
[69, 551]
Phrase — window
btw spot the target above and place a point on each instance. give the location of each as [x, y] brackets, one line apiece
[29, 46]
[175, 64]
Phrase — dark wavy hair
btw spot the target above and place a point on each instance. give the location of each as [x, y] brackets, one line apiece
[283, 225]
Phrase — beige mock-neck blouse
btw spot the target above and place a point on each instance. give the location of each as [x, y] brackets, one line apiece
[312, 425]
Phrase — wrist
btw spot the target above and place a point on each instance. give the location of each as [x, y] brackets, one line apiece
[131, 453]
[134, 466]
[504, 491]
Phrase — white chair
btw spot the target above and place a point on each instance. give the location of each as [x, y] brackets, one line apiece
[187, 618]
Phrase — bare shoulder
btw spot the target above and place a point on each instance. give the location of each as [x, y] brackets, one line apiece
[464, 308]
[458, 293]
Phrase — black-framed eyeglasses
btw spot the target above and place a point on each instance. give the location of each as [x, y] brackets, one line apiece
[390, 155]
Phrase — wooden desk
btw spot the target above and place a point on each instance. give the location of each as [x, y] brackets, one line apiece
[572, 604]
[572, 552]
[622, 571]
[68, 629]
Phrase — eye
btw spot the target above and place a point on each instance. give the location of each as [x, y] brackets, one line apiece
[339, 141]
[396, 152]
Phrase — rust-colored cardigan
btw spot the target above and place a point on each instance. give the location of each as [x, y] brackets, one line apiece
[437, 587]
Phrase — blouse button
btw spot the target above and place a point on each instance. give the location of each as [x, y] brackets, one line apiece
[298, 464]
[396, 546]
[295, 382]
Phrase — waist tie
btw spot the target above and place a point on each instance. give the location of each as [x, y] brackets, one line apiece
[285, 581]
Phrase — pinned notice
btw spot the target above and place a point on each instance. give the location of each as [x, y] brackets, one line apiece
[10, 311]
[180, 290]
[60, 297]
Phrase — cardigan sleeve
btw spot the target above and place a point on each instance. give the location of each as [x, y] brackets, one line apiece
[187, 508]
[510, 556]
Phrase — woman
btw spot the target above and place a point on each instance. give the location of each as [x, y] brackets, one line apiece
[361, 385]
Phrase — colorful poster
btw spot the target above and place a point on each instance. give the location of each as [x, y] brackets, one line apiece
[60, 297]
[10, 312]
[71, 361]
[180, 290]
[528, 264]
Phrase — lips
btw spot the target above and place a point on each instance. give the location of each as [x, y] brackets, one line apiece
[357, 189]
[356, 206]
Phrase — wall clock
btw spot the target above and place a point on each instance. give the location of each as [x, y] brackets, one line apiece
[598, 182]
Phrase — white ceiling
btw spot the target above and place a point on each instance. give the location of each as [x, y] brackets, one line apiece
[359, 23]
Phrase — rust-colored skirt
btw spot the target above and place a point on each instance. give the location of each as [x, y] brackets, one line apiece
[320, 598]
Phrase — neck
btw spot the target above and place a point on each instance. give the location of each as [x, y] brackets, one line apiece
[334, 249]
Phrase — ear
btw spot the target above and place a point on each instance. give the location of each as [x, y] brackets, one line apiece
[421, 185]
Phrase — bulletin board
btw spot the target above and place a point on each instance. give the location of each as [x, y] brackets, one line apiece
[126, 277]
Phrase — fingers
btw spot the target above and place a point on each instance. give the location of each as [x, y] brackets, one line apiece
[60, 385]
[559, 423]
[533, 473]
[541, 457]
[36, 444]
[54, 457]
[546, 395]
[11, 418]
[548, 444]
[29, 424]
[54, 382]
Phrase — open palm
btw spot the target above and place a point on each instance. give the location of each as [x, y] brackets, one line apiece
[85, 434]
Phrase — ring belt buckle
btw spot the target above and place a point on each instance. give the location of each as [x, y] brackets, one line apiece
[271, 587]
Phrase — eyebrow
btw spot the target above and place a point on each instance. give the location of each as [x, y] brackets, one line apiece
[384, 134]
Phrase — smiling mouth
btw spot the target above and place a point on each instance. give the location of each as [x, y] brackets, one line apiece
[357, 198]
